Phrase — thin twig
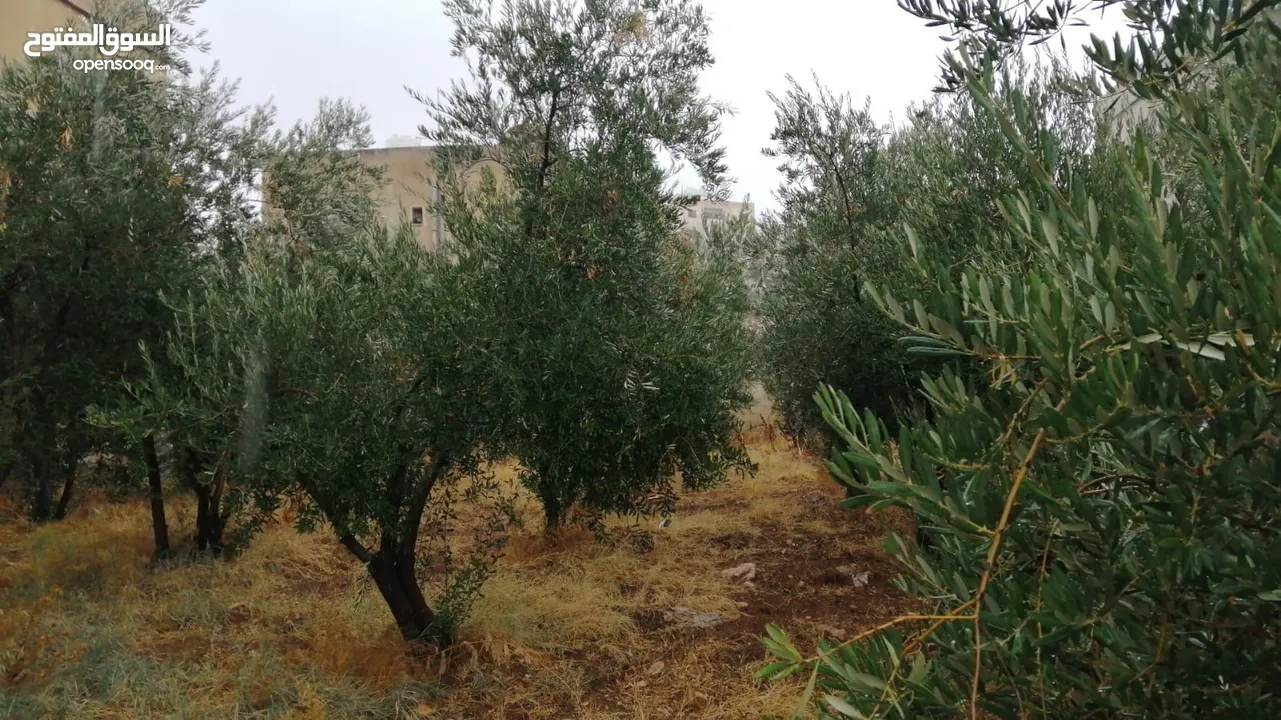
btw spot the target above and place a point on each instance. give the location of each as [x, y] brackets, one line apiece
[1010, 499]
[1160, 649]
[954, 615]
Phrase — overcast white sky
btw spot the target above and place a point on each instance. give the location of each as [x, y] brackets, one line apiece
[295, 52]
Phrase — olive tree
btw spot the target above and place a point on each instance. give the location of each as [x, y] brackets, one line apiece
[1106, 510]
[622, 357]
[851, 186]
[337, 364]
[112, 187]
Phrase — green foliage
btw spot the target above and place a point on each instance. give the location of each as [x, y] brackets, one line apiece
[623, 351]
[1168, 42]
[69, 312]
[319, 195]
[377, 428]
[832, 159]
[852, 186]
[333, 362]
[1105, 513]
[112, 187]
[815, 295]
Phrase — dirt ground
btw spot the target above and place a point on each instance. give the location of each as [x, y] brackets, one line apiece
[569, 628]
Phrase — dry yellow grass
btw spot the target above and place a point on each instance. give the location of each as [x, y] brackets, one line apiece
[569, 628]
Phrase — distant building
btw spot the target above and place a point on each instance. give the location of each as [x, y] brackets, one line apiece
[412, 187]
[410, 190]
[703, 212]
[19, 17]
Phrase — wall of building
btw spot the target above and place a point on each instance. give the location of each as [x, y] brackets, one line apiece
[19, 17]
[411, 189]
[704, 212]
[411, 183]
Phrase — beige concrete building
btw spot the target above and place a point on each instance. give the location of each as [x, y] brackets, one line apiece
[412, 187]
[19, 17]
[410, 190]
[704, 212]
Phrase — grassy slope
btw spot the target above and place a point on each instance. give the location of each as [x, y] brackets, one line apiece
[570, 629]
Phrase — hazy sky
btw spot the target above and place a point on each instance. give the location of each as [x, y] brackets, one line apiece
[295, 52]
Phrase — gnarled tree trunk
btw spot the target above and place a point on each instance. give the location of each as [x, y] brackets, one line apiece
[397, 580]
[392, 566]
[553, 511]
[210, 522]
[556, 506]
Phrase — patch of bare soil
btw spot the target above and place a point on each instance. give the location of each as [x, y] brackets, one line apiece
[803, 563]
[804, 581]
[816, 585]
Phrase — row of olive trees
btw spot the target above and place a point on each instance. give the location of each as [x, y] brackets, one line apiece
[851, 185]
[310, 356]
[1104, 510]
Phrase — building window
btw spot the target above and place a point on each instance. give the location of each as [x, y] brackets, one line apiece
[692, 212]
[713, 214]
[416, 216]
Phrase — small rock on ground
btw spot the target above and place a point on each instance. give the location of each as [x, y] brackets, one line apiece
[689, 617]
[744, 572]
[852, 575]
[832, 632]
